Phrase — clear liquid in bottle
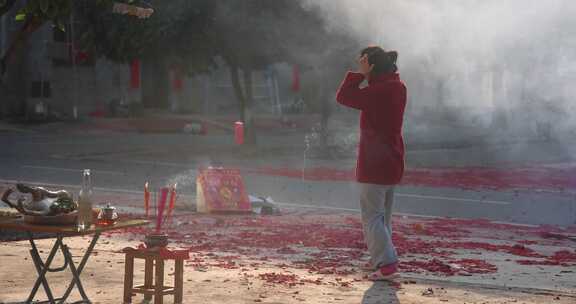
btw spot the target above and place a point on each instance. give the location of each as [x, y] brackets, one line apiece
[85, 202]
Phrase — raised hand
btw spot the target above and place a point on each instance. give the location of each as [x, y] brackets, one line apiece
[364, 67]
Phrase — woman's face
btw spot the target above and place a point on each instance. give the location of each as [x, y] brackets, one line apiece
[364, 65]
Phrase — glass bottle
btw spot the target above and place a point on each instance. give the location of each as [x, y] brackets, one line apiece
[85, 202]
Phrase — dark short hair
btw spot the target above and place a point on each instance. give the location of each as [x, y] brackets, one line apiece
[383, 61]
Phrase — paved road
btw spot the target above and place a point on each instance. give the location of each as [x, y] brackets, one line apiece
[124, 161]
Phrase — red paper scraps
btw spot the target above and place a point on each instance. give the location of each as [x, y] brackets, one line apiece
[279, 278]
[328, 244]
[543, 177]
[457, 267]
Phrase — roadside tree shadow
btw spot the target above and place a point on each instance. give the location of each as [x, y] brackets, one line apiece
[381, 293]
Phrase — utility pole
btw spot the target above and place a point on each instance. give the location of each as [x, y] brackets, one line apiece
[3, 39]
[74, 68]
[3, 33]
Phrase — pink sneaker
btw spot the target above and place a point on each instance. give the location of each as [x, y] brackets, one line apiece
[385, 273]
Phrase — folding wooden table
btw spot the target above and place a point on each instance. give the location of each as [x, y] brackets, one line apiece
[42, 267]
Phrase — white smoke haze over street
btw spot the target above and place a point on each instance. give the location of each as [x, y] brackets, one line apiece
[509, 65]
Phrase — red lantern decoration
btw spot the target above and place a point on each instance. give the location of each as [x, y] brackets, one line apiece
[177, 82]
[295, 78]
[135, 74]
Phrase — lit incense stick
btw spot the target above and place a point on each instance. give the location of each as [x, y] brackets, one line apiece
[161, 205]
[172, 201]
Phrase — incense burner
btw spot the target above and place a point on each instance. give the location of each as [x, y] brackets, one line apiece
[156, 240]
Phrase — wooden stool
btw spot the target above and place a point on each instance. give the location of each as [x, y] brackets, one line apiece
[154, 267]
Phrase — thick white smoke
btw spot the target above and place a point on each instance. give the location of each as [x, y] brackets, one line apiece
[509, 64]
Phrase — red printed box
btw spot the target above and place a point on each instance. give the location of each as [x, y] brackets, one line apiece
[221, 190]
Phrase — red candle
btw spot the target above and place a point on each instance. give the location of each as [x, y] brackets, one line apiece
[146, 199]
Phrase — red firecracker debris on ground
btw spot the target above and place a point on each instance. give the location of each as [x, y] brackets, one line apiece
[332, 244]
[544, 177]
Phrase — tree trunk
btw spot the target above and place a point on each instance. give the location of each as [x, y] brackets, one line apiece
[235, 77]
[325, 112]
[12, 70]
[13, 86]
[19, 43]
[244, 98]
[249, 129]
[155, 84]
[6, 7]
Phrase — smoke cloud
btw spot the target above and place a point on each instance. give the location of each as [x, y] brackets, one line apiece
[490, 64]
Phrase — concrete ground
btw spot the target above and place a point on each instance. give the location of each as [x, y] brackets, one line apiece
[525, 182]
[284, 259]
[314, 256]
[103, 281]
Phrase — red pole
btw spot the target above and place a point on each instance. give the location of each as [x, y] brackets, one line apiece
[239, 132]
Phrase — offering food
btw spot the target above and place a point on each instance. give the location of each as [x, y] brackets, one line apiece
[42, 203]
[63, 205]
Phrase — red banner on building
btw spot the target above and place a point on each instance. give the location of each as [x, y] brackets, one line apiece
[295, 78]
[135, 74]
[177, 82]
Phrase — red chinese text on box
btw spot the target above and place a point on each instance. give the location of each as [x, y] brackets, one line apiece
[221, 190]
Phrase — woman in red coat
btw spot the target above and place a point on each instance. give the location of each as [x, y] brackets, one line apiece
[380, 164]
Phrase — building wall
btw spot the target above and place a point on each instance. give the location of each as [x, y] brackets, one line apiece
[89, 88]
[59, 89]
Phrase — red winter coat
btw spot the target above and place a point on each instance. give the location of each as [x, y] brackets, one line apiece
[382, 102]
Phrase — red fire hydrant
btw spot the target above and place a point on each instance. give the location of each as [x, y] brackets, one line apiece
[239, 132]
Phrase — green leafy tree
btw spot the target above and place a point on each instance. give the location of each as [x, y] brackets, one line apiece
[251, 35]
[32, 14]
[175, 35]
